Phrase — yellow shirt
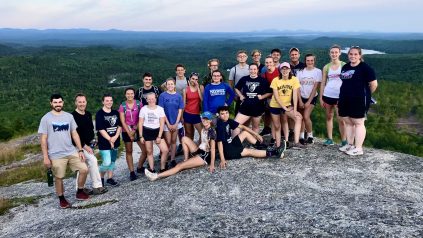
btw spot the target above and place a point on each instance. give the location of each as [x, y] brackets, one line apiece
[285, 89]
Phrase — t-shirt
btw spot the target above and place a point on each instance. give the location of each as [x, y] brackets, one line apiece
[285, 91]
[206, 136]
[171, 103]
[216, 95]
[333, 81]
[142, 92]
[224, 130]
[193, 101]
[181, 84]
[236, 72]
[270, 76]
[131, 115]
[251, 88]
[58, 129]
[355, 80]
[296, 68]
[110, 122]
[307, 80]
[85, 127]
[152, 116]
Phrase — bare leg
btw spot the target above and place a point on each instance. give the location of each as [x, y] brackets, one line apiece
[149, 151]
[253, 153]
[241, 119]
[189, 130]
[297, 127]
[341, 126]
[198, 127]
[194, 162]
[307, 118]
[246, 135]
[58, 183]
[329, 120]
[129, 159]
[349, 130]
[360, 132]
[188, 146]
[256, 123]
[285, 125]
[164, 151]
[143, 155]
[276, 128]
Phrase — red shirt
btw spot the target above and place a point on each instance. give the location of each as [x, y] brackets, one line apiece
[270, 76]
[193, 101]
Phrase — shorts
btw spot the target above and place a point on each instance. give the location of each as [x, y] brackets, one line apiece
[276, 111]
[150, 134]
[354, 107]
[108, 159]
[313, 102]
[59, 165]
[179, 127]
[234, 149]
[126, 138]
[251, 111]
[330, 101]
[204, 155]
[191, 118]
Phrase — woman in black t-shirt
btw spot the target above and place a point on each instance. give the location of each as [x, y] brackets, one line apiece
[358, 82]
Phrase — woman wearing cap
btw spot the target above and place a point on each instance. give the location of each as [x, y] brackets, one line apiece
[194, 156]
[329, 93]
[192, 96]
[310, 78]
[358, 83]
[285, 88]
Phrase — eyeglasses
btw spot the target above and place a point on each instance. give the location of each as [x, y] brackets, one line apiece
[193, 74]
[214, 65]
[355, 47]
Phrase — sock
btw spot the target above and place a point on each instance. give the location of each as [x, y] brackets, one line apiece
[62, 197]
[80, 190]
[310, 134]
[302, 135]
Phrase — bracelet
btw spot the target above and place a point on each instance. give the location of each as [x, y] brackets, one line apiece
[81, 150]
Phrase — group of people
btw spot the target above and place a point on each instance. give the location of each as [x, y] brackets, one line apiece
[283, 94]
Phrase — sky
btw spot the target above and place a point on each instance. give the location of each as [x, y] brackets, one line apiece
[215, 16]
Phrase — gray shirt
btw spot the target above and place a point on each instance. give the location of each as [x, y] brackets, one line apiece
[58, 129]
[237, 73]
[181, 84]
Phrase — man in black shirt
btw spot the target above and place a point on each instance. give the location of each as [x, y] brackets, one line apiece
[147, 87]
[85, 131]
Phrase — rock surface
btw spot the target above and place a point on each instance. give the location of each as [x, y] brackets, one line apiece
[317, 191]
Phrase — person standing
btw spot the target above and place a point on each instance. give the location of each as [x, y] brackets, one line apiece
[57, 129]
[358, 83]
[109, 128]
[217, 94]
[256, 55]
[148, 87]
[212, 64]
[193, 97]
[296, 64]
[85, 130]
[237, 72]
[329, 94]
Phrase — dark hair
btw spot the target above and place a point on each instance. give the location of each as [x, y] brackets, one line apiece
[130, 88]
[222, 108]
[253, 64]
[276, 50]
[289, 76]
[55, 96]
[308, 55]
[194, 74]
[214, 71]
[79, 95]
[147, 74]
[179, 65]
[106, 95]
[294, 49]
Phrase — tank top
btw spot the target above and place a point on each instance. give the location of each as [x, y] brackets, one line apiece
[181, 84]
[333, 82]
[193, 101]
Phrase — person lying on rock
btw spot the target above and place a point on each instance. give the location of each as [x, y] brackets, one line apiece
[230, 147]
[194, 156]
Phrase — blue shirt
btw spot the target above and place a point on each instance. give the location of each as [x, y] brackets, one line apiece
[215, 95]
[171, 104]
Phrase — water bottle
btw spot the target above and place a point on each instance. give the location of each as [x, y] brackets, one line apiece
[93, 143]
[49, 177]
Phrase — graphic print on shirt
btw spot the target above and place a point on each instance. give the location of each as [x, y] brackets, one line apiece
[347, 74]
[228, 132]
[215, 92]
[284, 89]
[112, 122]
[151, 118]
[60, 126]
[252, 87]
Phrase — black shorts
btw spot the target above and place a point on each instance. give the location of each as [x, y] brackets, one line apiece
[150, 134]
[126, 138]
[251, 111]
[234, 149]
[276, 111]
[354, 107]
[330, 101]
[313, 102]
[206, 156]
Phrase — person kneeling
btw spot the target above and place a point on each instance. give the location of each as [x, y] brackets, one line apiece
[232, 148]
[194, 156]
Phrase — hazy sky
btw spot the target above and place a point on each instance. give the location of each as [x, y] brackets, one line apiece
[225, 15]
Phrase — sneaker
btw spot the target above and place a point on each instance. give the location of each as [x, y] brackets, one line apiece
[63, 203]
[302, 141]
[266, 131]
[82, 196]
[272, 142]
[100, 190]
[310, 140]
[281, 149]
[291, 136]
[140, 170]
[151, 176]
[345, 147]
[112, 182]
[260, 146]
[344, 142]
[133, 176]
[298, 146]
[88, 191]
[354, 152]
[328, 142]
[179, 150]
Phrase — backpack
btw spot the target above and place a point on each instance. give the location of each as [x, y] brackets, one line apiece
[124, 106]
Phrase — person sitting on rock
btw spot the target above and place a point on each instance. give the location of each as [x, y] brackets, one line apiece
[231, 147]
[194, 156]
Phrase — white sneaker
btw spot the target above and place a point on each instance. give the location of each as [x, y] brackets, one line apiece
[345, 147]
[355, 152]
[151, 176]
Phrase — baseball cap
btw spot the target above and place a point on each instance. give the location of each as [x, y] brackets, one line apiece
[285, 64]
[207, 115]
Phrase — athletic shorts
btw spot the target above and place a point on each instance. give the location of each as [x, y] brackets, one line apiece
[150, 134]
[276, 111]
[234, 149]
[179, 127]
[126, 138]
[313, 102]
[354, 107]
[191, 118]
[330, 101]
[251, 111]
[206, 156]
[59, 165]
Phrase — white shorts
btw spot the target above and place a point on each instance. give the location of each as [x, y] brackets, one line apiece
[167, 129]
